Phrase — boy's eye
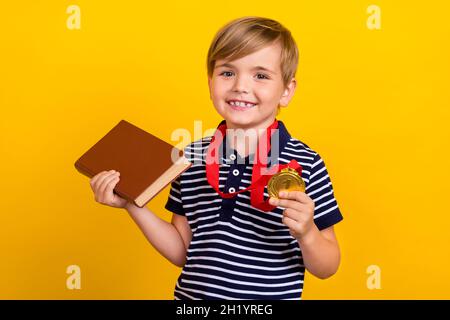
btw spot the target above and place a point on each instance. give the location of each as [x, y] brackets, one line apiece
[260, 76]
[226, 73]
[263, 76]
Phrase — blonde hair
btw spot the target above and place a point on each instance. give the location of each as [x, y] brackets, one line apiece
[244, 36]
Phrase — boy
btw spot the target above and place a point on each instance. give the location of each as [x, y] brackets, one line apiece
[231, 242]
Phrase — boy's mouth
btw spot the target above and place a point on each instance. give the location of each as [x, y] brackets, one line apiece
[240, 105]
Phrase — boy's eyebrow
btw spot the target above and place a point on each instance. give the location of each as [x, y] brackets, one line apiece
[229, 65]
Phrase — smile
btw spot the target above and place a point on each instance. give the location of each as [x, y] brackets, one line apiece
[240, 105]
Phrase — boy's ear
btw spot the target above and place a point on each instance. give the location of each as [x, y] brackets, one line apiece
[288, 93]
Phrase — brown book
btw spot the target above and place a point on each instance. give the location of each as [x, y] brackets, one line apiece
[146, 163]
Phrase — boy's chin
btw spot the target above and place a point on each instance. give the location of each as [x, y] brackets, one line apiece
[240, 122]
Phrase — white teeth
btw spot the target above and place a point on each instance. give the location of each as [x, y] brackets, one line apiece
[241, 104]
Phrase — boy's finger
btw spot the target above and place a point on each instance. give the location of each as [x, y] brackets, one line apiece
[290, 223]
[285, 203]
[293, 214]
[110, 187]
[96, 177]
[299, 196]
[99, 179]
[102, 188]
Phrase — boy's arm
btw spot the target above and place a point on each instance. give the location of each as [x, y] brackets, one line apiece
[320, 251]
[306, 213]
[181, 224]
[164, 236]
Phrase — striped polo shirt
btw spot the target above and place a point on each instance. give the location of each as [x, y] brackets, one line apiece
[238, 251]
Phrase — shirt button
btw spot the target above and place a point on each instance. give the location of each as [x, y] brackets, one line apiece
[235, 172]
[231, 190]
[232, 157]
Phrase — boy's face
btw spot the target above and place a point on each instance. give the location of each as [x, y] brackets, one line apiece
[244, 80]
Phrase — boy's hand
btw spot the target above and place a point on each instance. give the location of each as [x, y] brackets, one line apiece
[299, 212]
[103, 185]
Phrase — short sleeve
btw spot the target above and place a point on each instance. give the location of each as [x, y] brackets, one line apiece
[320, 190]
[174, 203]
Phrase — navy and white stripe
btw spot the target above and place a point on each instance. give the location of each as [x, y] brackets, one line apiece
[238, 251]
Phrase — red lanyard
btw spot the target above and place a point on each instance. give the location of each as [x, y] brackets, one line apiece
[260, 173]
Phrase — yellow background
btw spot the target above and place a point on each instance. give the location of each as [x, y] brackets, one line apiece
[373, 103]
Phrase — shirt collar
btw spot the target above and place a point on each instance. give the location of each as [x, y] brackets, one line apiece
[283, 138]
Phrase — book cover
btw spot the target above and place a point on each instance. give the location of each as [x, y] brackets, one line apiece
[146, 163]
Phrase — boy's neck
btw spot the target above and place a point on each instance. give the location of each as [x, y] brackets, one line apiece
[245, 140]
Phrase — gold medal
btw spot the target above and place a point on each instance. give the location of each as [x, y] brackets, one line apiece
[287, 179]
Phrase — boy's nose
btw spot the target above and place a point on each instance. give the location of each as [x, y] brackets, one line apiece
[240, 89]
[240, 85]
